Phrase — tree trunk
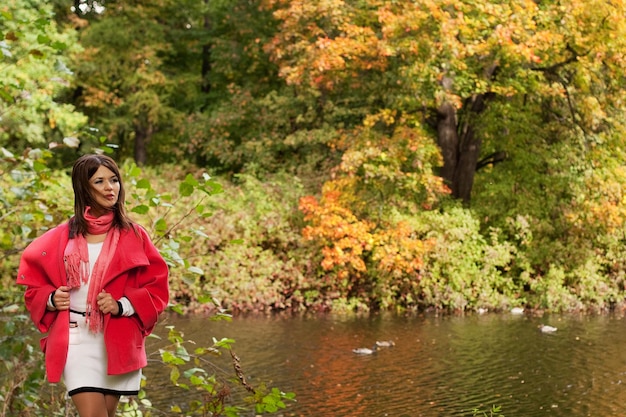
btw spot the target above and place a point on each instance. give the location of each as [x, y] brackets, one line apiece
[448, 141]
[143, 135]
[459, 146]
[469, 152]
[457, 139]
[206, 56]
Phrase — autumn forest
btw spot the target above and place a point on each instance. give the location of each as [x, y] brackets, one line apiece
[330, 155]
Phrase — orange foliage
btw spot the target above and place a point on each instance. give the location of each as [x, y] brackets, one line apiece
[330, 42]
[400, 252]
[344, 237]
[98, 98]
[348, 242]
[328, 50]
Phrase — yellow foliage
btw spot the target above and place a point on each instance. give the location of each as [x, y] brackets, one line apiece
[399, 252]
[344, 237]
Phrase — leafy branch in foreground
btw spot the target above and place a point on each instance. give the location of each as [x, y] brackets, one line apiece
[188, 371]
[494, 412]
[175, 218]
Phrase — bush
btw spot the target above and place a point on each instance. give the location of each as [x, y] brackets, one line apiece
[464, 269]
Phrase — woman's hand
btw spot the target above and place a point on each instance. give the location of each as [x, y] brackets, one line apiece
[61, 298]
[108, 304]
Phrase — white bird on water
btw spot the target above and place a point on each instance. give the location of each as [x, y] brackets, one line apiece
[547, 329]
[365, 351]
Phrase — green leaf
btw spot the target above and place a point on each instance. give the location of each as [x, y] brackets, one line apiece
[195, 270]
[185, 189]
[168, 357]
[43, 39]
[212, 187]
[160, 225]
[141, 209]
[224, 342]
[143, 184]
[135, 171]
[193, 371]
[38, 166]
[189, 179]
[5, 96]
[59, 46]
[181, 352]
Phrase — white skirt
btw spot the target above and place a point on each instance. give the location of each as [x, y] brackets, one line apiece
[86, 366]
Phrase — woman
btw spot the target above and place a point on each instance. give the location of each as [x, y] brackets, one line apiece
[96, 285]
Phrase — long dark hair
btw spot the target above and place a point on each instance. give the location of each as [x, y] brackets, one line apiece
[84, 168]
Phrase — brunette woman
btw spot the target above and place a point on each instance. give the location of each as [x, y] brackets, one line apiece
[96, 286]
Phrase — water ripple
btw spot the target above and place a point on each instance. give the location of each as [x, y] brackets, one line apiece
[440, 366]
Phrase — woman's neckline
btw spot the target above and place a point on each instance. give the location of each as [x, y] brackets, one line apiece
[96, 238]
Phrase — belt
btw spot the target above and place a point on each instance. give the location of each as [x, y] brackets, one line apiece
[82, 313]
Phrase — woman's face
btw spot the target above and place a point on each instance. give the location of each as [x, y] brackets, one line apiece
[105, 190]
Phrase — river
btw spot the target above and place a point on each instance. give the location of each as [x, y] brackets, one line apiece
[441, 365]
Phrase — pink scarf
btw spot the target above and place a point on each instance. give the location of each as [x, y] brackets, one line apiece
[76, 258]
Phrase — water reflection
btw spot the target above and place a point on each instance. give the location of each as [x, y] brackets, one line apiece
[440, 365]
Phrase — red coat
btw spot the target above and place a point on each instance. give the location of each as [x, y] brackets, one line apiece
[137, 272]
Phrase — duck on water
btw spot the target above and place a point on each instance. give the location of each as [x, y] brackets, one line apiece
[379, 344]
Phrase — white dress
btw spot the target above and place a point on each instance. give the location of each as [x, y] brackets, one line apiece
[86, 366]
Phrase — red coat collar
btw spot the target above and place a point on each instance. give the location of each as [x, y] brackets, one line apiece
[46, 254]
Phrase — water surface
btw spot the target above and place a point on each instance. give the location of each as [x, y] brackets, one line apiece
[439, 366]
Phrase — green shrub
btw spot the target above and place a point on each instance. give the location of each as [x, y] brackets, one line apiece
[253, 257]
[464, 269]
[23, 390]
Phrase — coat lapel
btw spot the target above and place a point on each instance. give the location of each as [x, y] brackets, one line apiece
[128, 255]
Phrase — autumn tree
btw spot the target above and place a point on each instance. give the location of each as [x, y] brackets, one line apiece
[532, 83]
[139, 73]
[247, 111]
[35, 67]
[446, 61]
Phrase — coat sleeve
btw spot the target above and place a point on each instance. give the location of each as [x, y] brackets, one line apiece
[39, 272]
[36, 299]
[150, 295]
